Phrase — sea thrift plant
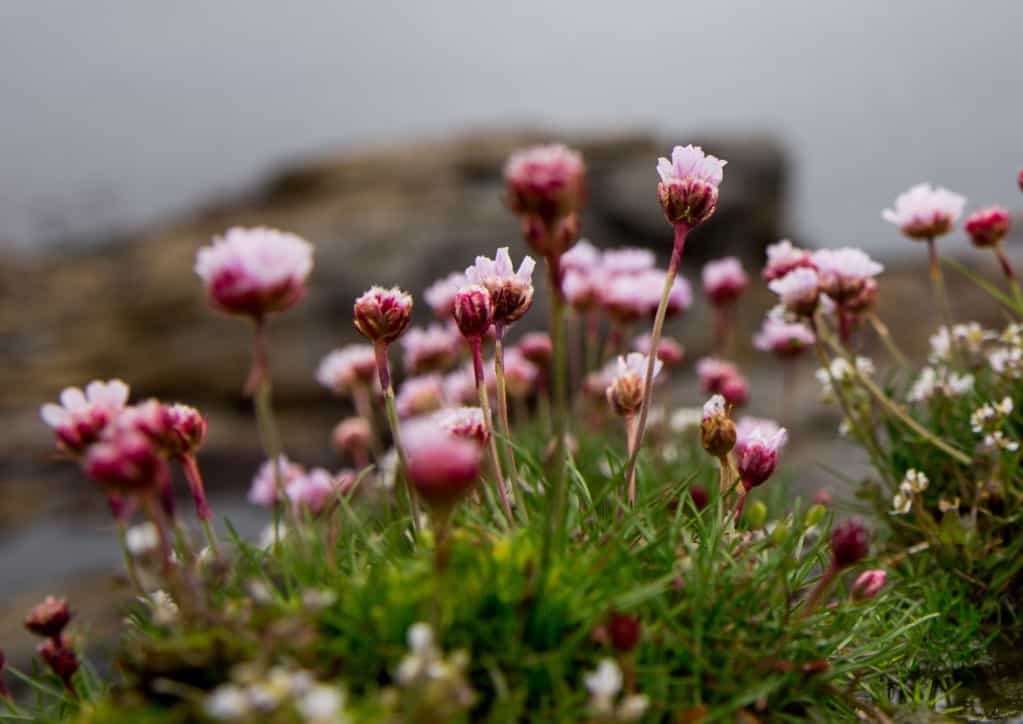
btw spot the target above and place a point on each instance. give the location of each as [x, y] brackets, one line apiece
[724, 281]
[80, 418]
[757, 444]
[986, 229]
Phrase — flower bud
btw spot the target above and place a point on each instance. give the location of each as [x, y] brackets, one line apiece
[127, 462]
[474, 311]
[987, 227]
[510, 291]
[756, 450]
[717, 431]
[815, 514]
[724, 281]
[850, 543]
[868, 584]
[624, 631]
[57, 654]
[382, 315]
[924, 212]
[688, 190]
[352, 436]
[798, 291]
[49, 617]
[780, 534]
[625, 393]
[443, 468]
[756, 514]
[537, 348]
[735, 390]
[545, 181]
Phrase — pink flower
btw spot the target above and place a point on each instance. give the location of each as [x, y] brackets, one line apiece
[441, 295]
[798, 290]
[582, 289]
[582, 257]
[262, 490]
[443, 468]
[868, 584]
[474, 311]
[757, 445]
[313, 491]
[464, 422]
[688, 190]
[724, 280]
[344, 369]
[785, 339]
[988, 226]
[352, 436]
[460, 386]
[713, 372]
[511, 291]
[925, 212]
[627, 260]
[844, 272]
[782, 258]
[383, 314]
[537, 348]
[126, 462]
[433, 349]
[79, 419]
[176, 429]
[631, 297]
[519, 373]
[255, 271]
[545, 181]
[669, 351]
[625, 391]
[735, 390]
[850, 543]
[420, 395]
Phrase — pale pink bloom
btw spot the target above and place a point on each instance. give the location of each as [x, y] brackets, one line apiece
[757, 445]
[843, 273]
[342, 370]
[433, 349]
[313, 491]
[383, 314]
[627, 260]
[924, 212]
[785, 339]
[625, 390]
[688, 190]
[460, 385]
[669, 351]
[466, 422]
[545, 181]
[520, 374]
[126, 461]
[782, 258]
[798, 291]
[255, 271]
[988, 226]
[441, 295]
[261, 491]
[582, 289]
[442, 467]
[724, 280]
[868, 584]
[352, 436]
[713, 372]
[420, 395]
[80, 418]
[510, 290]
[628, 298]
[582, 257]
[536, 347]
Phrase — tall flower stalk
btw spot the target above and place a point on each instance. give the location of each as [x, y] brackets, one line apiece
[688, 193]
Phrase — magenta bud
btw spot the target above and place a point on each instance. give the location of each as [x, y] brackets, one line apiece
[699, 495]
[545, 181]
[474, 311]
[987, 227]
[868, 584]
[126, 462]
[443, 468]
[850, 543]
[735, 390]
[49, 617]
[57, 654]
[382, 315]
[624, 631]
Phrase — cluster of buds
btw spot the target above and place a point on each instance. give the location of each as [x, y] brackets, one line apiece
[721, 377]
[914, 482]
[48, 620]
[546, 187]
[688, 190]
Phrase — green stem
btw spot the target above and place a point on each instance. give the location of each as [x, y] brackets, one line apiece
[681, 231]
[129, 560]
[502, 408]
[384, 371]
[481, 390]
[882, 331]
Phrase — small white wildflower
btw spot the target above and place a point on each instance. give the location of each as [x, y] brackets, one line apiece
[164, 610]
[941, 344]
[322, 704]
[317, 599]
[901, 504]
[958, 384]
[915, 481]
[420, 638]
[603, 684]
[227, 702]
[923, 388]
[142, 539]
[633, 707]
[1006, 361]
[1005, 406]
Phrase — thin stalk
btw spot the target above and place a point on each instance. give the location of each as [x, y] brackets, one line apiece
[740, 505]
[1009, 272]
[938, 282]
[882, 332]
[129, 559]
[202, 508]
[502, 408]
[361, 397]
[412, 507]
[823, 584]
[558, 397]
[441, 558]
[171, 573]
[630, 437]
[481, 390]
[681, 230]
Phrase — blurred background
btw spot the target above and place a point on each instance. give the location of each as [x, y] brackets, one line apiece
[130, 133]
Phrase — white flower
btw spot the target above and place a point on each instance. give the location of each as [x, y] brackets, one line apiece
[603, 684]
[901, 504]
[923, 389]
[142, 539]
[163, 609]
[633, 707]
[915, 481]
[322, 704]
[227, 702]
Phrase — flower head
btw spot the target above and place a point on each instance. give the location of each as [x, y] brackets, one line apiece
[713, 372]
[627, 260]
[255, 271]
[442, 467]
[735, 390]
[441, 295]
[688, 190]
[724, 280]
[798, 291]
[850, 543]
[988, 226]
[782, 258]
[434, 349]
[510, 290]
[545, 181]
[925, 212]
[176, 429]
[263, 490]
[314, 490]
[352, 436]
[345, 369]
[582, 257]
[79, 419]
[420, 395]
[868, 584]
[474, 311]
[604, 683]
[844, 272]
[49, 617]
[126, 461]
[784, 339]
[756, 450]
[717, 431]
[624, 631]
[383, 314]
[465, 422]
[630, 297]
[625, 392]
[537, 348]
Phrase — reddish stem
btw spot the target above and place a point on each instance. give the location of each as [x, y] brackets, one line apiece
[195, 486]
[1003, 260]
[383, 366]
[260, 358]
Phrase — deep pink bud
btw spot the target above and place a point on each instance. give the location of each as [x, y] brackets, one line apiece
[688, 190]
[474, 311]
[383, 314]
[545, 181]
[868, 584]
[756, 451]
[987, 227]
[537, 348]
[443, 468]
[49, 617]
[735, 390]
[624, 630]
[699, 495]
[57, 654]
[126, 461]
[850, 543]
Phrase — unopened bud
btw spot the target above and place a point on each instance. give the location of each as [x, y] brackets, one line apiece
[717, 431]
[49, 617]
[756, 514]
[850, 543]
[815, 514]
